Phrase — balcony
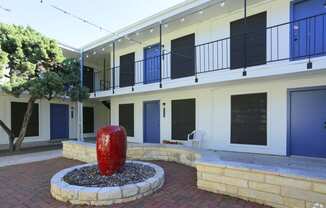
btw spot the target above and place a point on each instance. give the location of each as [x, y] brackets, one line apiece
[301, 41]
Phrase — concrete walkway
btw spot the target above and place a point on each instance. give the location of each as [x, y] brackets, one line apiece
[30, 157]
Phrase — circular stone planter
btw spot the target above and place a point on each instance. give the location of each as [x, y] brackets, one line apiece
[65, 192]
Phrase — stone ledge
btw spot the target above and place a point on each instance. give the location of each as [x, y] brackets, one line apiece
[65, 192]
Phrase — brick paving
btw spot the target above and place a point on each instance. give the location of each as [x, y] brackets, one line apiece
[27, 186]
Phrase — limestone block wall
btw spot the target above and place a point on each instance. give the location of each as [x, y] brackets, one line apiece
[261, 186]
[86, 152]
[270, 188]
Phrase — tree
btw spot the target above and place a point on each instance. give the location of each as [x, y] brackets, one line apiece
[33, 65]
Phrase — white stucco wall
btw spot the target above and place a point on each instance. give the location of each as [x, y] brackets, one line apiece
[216, 28]
[44, 118]
[213, 110]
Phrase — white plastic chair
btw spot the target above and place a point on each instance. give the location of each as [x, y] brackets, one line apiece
[194, 139]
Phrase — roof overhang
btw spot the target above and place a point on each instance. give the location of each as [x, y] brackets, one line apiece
[173, 12]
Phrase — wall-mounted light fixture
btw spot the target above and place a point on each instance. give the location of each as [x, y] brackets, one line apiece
[163, 110]
[72, 112]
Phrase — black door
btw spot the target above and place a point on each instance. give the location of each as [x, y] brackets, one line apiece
[127, 70]
[252, 45]
[88, 78]
[183, 118]
[183, 57]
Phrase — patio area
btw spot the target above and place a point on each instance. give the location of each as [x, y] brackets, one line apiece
[29, 187]
[277, 181]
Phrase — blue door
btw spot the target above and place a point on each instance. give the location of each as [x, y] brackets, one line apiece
[152, 122]
[152, 64]
[308, 34]
[308, 123]
[59, 121]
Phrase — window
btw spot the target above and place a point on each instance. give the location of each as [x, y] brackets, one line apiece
[183, 56]
[183, 118]
[88, 78]
[17, 116]
[248, 119]
[255, 46]
[127, 70]
[88, 120]
[126, 118]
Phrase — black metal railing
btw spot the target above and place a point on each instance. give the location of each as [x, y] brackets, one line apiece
[296, 40]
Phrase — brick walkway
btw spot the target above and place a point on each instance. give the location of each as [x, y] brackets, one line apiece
[27, 186]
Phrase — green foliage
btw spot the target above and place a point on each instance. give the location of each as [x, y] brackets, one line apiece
[35, 64]
[3, 62]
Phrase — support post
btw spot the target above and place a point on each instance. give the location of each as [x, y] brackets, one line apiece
[113, 64]
[80, 133]
[160, 54]
[244, 72]
[104, 75]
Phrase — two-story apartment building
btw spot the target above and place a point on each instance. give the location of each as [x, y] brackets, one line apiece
[249, 75]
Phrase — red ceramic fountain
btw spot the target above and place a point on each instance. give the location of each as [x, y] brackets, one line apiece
[112, 171]
[111, 149]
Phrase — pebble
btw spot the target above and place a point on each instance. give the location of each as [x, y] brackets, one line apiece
[90, 176]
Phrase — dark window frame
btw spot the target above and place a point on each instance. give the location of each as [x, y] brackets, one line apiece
[33, 127]
[183, 58]
[188, 129]
[261, 130]
[130, 117]
[90, 127]
[254, 40]
[127, 70]
[88, 78]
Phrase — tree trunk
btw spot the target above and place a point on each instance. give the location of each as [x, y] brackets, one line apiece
[23, 128]
[11, 135]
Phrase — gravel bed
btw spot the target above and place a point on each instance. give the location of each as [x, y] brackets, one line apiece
[90, 177]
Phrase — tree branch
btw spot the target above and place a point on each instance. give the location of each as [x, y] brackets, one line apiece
[10, 135]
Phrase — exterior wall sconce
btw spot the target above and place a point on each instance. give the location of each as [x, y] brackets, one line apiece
[163, 110]
[72, 110]
[244, 72]
[309, 65]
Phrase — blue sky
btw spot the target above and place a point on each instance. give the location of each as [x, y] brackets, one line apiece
[111, 14]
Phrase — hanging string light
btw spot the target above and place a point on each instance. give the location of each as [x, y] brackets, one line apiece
[5, 9]
[101, 28]
[201, 11]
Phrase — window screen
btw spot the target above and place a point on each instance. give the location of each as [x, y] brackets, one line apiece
[248, 119]
[127, 70]
[88, 120]
[255, 48]
[183, 118]
[126, 118]
[17, 116]
[88, 78]
[183, 56]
